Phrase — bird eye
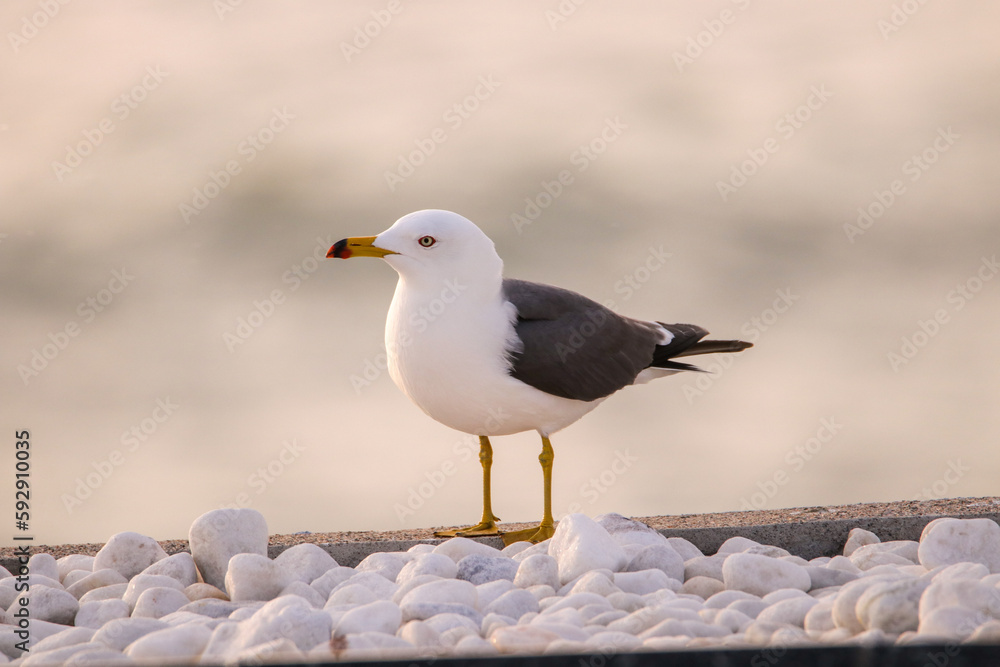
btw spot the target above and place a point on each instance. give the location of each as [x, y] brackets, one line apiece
[427, 241]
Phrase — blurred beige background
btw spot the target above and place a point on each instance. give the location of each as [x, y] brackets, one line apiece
[170, 170]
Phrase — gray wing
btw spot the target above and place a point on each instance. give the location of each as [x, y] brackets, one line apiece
[573, 347]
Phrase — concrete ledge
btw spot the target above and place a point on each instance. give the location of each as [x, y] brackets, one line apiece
[808, 532]
[807, 539]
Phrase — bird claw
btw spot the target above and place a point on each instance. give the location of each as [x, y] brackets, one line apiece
[539, 533]
[481, 529]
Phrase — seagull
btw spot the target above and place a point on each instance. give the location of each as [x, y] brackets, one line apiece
[493, 356]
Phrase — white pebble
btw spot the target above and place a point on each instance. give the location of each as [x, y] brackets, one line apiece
[96, 614]
[158, 601]
[732, 620]
[254, 577]
[474, 646]
[348, 594]
[662, 557]
[141, 582]
[201, 590]
[975, 571]
[790, 611]
[491, 590]
[825, 576]
[330, 579]
[216, 536]
[45, 565]
[705, 566]
[281, 650]
[725, 598]
[514, 603]
[420, 634]
[541, 591]
[289, 617]
[179, 566]
[479, 569]
[761, 575]
[891, 606]
[458, 548]
[845, 603]
[121, 632]
[67, 564]
[75, 576]
[884, 553]
[751, 607]
[105, 577]
[946, 541]
[954, 622]
[703, 587]
[176, 644]
[443, 591]
[627, 531]
[378, 616]
[448, 621]
[112, 592]
[580, 545]
[387, 564]
[598, 582]
[685, 548]
[436, 564]
[129, 553]
[536, 570]
[987, 633]
[641, 582]
[305, 562]
[46, 604]
[859, 537]
[68, 637]
[967, 593]
[820, 618]
[378, 586]
[305, 591]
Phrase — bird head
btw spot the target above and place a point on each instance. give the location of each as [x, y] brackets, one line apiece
[430, 245]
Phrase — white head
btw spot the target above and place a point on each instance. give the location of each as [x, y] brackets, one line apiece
[430, 246]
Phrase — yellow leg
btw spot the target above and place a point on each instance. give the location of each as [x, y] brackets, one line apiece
[488, 526]
[548, 526]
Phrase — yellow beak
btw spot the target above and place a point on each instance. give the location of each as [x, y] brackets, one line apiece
[358, 246]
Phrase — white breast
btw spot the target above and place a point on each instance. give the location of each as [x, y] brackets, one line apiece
[447, 352]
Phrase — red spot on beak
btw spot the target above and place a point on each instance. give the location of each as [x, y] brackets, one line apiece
[339, 250]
